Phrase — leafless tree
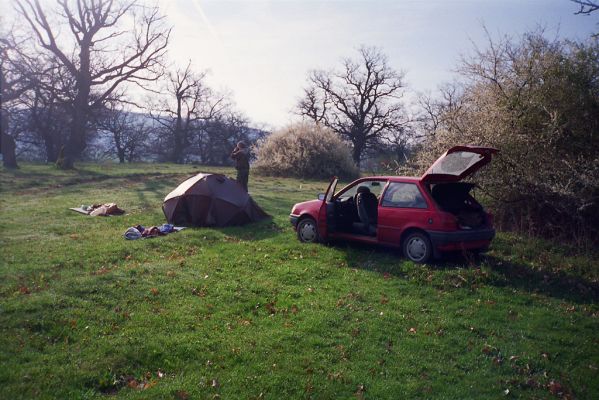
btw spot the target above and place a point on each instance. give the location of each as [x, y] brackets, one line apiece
[188, 102]
[129, 131]
[15, 80]
[216, 138]
[105, 56]
[48, 107]
[437, 112]
[360, 101]
[586, 6]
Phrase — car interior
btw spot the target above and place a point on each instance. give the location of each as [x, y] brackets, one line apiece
[355, 210]
[455, 198]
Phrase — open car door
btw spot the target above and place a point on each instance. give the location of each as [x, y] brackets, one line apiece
[322, 212]
[458, 162]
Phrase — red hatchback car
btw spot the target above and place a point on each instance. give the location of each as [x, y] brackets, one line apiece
[424, 216]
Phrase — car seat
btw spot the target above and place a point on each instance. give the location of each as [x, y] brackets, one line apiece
[367, 207]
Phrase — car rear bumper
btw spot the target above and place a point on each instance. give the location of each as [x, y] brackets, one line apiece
[461, 240]
[293, 219]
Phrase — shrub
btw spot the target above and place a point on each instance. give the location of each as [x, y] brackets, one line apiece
[537, 102]
[304, 150]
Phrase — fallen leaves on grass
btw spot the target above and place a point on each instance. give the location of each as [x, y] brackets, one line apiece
[181, 395]
[142, 384]
[555, 388]
[271, 308]
[412, 330]
[489, 350]
[24, 290]
[102, 271]
[336, 376]
[360, 391]
[154, 291]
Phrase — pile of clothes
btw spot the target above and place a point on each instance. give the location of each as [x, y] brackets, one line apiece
[139, 231]
[103, 210]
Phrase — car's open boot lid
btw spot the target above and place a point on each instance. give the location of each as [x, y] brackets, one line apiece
[458, 162]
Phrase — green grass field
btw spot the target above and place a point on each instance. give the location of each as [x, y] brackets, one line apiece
[251, 313]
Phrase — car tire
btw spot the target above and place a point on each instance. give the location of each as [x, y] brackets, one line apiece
[307, 230]
[417, 247]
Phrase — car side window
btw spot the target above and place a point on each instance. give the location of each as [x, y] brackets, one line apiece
[375, 187]
[404, 195]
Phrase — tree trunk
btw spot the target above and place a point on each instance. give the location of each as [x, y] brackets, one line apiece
[51, 149]
[80, 111]
[357, 152]
[7, 143]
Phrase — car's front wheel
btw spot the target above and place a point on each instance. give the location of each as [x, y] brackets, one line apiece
[307, 231]
[417, 247]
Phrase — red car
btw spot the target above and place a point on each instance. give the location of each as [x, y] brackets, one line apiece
[423, 216]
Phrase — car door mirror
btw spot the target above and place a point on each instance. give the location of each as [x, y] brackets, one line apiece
[320, 196]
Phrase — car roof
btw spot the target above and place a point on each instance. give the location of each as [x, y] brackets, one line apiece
[392, 178]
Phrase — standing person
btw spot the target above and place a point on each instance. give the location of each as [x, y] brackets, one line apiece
[241, 155]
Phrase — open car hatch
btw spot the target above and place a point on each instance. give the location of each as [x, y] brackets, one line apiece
[458, 163]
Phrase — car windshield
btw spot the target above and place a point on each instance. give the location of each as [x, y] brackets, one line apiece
[374, 186]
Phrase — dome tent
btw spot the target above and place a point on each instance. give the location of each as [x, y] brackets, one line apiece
[210, 200]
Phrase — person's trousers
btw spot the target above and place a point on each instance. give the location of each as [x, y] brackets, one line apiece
[242, 177]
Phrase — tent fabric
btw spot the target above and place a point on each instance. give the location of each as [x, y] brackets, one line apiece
[211, 200]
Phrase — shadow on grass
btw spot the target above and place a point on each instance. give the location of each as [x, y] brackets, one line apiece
[27, 181]
[255, 231]
[468, 266]
[550, 283]
[158, 187]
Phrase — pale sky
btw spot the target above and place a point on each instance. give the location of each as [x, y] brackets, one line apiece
[262, 51]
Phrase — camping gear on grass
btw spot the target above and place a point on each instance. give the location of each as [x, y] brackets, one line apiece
[104, 210]
[211, 200]
[139, 231]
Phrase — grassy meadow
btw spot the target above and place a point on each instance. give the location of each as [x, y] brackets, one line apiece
[251, 313]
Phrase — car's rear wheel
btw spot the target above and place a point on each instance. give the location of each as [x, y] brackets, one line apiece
[417, 247]
[307, 231]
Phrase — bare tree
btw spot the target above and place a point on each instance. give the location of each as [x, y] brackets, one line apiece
[103, 57]
[15, 80]
[586, 6]
[217, 137]
[128, 131]
[189, 102]
[438, 112]
[360, 102]
[48, 107]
